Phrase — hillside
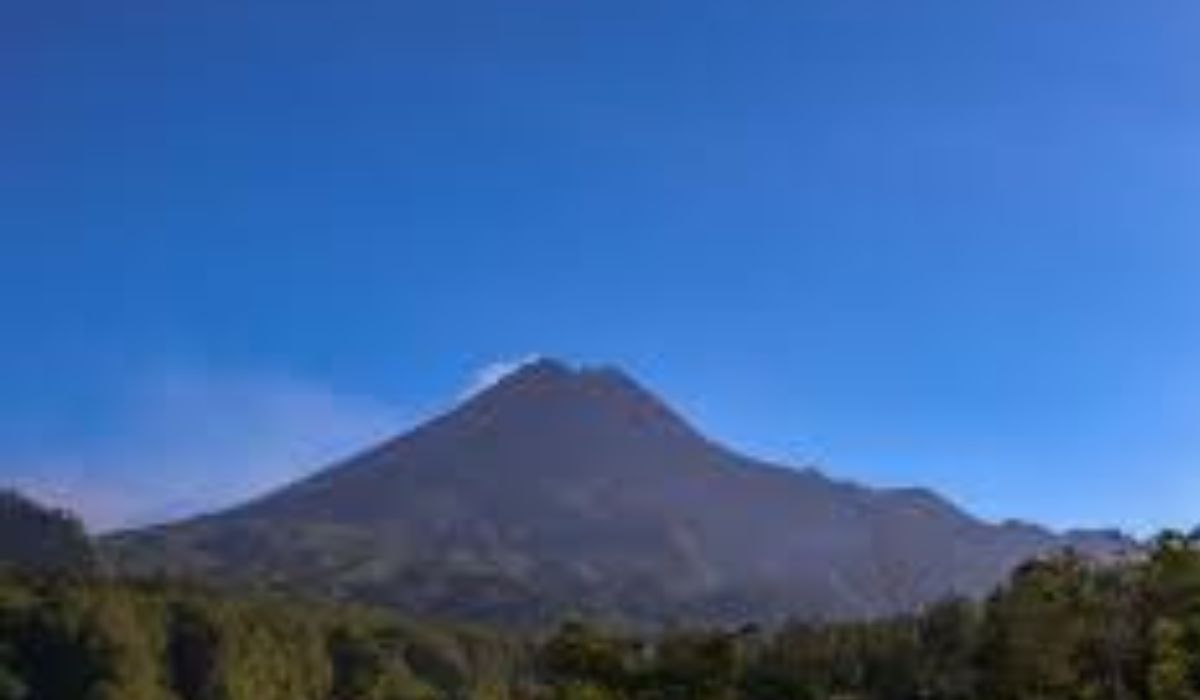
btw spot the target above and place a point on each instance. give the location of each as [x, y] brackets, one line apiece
[33, 537]
[563, 489]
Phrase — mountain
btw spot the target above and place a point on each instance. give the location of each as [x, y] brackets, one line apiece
[33, 537]
[563, 489]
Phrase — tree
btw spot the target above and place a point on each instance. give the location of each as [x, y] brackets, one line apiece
[1170, 672]
[949, 635]
[367, 666]
[1034, 632]
[577, 690]
[582, 654]
[697, 666]
[193, 652]
[11, 686]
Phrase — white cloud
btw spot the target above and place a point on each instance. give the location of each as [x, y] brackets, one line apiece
[487, 376]
[186, 440]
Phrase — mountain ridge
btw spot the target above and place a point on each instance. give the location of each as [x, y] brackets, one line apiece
[558, 489]
[34, 537]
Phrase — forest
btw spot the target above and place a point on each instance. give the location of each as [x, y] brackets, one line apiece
[1063, 628]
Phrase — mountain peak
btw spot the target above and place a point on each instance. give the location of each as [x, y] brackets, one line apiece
[539, 369]
[562, 483]
[551, 386]
[552, 368]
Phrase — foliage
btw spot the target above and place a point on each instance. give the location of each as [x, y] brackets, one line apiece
[1063, 628]
[91, 639]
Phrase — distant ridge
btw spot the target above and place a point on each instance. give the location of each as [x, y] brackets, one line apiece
[36, 538]
[562, 489]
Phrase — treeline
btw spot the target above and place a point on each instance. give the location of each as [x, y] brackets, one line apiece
[70, 638]
[39, 538]
[1062, 629]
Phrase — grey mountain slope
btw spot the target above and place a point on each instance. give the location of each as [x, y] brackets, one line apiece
[562, 489]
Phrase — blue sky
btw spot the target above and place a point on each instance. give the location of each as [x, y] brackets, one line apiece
[940, 243]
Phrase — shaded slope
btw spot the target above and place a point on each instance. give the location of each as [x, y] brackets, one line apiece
[33, 537]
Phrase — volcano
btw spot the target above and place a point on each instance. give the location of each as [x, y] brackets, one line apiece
[575, 490]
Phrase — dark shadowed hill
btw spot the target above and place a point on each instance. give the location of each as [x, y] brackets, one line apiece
[33, 537]
[577, 490]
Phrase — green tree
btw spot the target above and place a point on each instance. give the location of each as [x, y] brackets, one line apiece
[581, 654]
[1035, 631]
[949, 635]
[1173, 576]
[698, 665]
[1169, 677]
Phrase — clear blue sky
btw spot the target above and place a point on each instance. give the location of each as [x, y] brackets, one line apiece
[944, 243]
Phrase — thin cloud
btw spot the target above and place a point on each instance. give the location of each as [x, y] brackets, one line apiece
[188, 440]
[487, 376]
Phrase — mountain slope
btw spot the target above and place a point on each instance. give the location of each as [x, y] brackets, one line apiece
[562, 489]
[33, 537]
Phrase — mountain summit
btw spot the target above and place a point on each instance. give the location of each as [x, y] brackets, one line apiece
[575, 489]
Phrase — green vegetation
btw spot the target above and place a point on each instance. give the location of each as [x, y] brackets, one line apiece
[68, 638]
[1061, 629]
